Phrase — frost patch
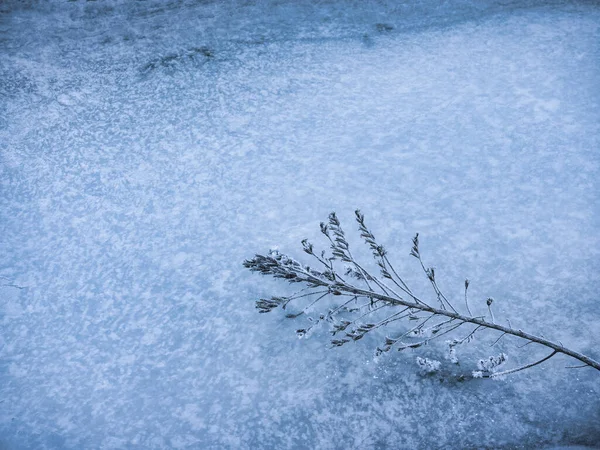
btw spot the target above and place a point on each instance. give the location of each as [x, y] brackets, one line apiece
[428, 366]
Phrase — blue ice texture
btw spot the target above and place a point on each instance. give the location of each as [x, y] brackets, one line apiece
[148, 147]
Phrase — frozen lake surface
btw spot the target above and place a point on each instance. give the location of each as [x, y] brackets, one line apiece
[148, 148]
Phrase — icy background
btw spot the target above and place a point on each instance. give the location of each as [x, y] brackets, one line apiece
[148, 148]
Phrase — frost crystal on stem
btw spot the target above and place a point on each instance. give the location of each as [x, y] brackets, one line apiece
[369, 302]
[428, 366]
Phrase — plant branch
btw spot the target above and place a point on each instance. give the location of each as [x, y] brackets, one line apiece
[381, 296]
[518, 369]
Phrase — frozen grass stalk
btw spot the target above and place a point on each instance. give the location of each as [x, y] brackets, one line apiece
[369, 301]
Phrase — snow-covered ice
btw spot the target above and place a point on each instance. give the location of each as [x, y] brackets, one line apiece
[148, 148]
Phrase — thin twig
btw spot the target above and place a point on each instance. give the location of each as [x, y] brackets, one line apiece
[518, 369]
[496, 341]
[466, 299]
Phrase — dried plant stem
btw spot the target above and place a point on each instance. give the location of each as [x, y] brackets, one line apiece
[526, 366]
[558, 348]
[380, 296]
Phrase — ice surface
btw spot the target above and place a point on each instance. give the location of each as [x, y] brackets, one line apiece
[147, 148]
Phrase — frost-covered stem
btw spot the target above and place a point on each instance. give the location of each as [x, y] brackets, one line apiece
[426, 341]
[430, 275]
[470, 335]
[404, 285]
[489, 305]
[311, 304]
[356, 321]
[498, 340]
[415, 328]
[380, 255]
[382, 286]
[407, 291]
[481, 322]
[518, 369]
[348, 256]
[329, 265]
[343, 305]
[282, 266]
[297, 273]
[394, 317]
[466, 298]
